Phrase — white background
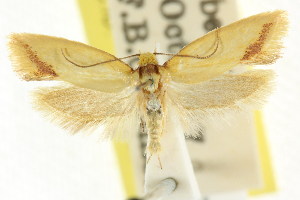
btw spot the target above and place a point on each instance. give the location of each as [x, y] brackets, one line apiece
[40, 161]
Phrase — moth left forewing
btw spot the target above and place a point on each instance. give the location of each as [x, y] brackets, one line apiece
[254, 40]
[227, 93]
[40, 57]
[75, 108]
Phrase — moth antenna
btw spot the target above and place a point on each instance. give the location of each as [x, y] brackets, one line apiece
[197, 57]
[164, 54]
[99, 63]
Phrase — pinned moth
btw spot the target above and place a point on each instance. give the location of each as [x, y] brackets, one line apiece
[100, 89]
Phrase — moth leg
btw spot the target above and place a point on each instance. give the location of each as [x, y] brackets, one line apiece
[158, 157]
[149, 158]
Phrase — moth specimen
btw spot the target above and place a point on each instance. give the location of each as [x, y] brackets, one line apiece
[100, 89]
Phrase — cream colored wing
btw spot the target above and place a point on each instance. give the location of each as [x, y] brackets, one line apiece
[255, 40]
[194, 102]
[39, 57]
[75, 108]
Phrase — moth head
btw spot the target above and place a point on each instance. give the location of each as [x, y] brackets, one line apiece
[147, 58]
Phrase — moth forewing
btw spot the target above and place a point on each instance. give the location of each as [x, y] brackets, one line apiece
[39, 57]
[254, 40]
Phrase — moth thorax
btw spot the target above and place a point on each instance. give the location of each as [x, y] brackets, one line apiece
[147, 58]
[150, 76]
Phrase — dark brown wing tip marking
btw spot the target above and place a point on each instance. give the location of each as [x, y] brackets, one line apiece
[256, 47]
[270, 33]
[23, 54]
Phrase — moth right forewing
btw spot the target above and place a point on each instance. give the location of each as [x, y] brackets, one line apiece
[255, 40]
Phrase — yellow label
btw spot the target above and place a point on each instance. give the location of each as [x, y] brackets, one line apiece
[265, 159]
